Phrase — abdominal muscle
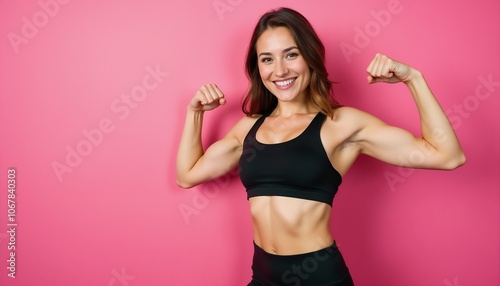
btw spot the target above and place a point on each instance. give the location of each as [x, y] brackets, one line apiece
[285, 226]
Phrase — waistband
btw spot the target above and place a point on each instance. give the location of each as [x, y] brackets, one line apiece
[323, 267]
[261, 252]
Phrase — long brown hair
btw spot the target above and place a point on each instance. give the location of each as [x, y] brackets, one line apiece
[259, 100]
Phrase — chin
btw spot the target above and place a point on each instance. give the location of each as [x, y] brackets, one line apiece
[287, 95]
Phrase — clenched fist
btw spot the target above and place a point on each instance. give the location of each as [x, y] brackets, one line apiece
[385, 69]
[208, 97]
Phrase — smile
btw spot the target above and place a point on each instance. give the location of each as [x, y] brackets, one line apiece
[285, 83]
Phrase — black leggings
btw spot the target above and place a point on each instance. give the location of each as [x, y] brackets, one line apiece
[324, 267]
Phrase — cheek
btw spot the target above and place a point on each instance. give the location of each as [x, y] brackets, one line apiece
[264, 71]
[302, 67]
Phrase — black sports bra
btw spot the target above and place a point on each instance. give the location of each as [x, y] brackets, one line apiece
[297, 168]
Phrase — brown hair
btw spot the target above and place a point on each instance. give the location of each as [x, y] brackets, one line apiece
[259, 100]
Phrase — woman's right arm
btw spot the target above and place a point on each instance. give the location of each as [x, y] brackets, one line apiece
[194, 166]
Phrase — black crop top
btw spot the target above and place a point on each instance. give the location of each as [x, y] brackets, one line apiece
[297, 168]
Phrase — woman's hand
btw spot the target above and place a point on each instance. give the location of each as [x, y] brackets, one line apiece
[385, 69]
[208, 97]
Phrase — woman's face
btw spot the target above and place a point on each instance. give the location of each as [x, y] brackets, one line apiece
[282, 68]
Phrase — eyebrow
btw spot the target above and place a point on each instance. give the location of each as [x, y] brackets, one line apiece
[284, 51]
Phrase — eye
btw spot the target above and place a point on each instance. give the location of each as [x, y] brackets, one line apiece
[266, 60]
[292, 55]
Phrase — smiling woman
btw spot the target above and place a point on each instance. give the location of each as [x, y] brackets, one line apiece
[295, 144]
[284, 72]
[301, 46]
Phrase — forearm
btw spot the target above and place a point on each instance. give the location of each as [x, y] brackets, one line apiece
[437, 130]
[190, 146]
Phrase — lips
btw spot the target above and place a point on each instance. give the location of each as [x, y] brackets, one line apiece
[283, 84]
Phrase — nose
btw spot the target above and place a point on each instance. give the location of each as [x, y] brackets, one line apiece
[280, 69]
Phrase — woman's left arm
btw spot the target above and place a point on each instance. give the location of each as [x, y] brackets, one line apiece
[438, 148]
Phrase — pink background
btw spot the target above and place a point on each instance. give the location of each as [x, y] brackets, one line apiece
[115, 215]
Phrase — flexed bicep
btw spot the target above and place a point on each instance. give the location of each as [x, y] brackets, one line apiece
[220, 158]
[390, 144]
[398, 147]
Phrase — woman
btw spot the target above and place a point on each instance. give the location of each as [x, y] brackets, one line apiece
[297, 142]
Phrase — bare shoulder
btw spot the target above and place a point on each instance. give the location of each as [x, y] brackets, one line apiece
[347, 122]
[353, 118]
[241, 128]
[345, 118]
[350, 113]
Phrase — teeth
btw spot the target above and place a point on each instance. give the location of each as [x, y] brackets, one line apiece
[286, 82]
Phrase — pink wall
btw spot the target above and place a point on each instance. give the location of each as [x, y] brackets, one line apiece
[92, 99]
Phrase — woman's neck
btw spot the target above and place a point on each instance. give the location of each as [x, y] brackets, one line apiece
[288, 109]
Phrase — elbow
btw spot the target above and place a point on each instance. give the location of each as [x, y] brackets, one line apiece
[456, 162]
[182, 183]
